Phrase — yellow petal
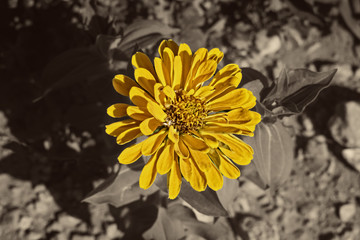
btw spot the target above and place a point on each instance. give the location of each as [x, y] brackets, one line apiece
[159, 95]
[235, 99]
[214, 178]
[166, 159]
[122, 84]
[228, 70]
[174, 180]
[139, 97]
[215, 54]
[185, 55]
[227, 168]
[159, 70]
[199, 56]
[240, 159]
[141, 60]
[116, 128]
[145, 79]
[178, 71]
[148, 173]
[128, 135]
[156, 110]
[152, 143]
[173, 134]
[210, 140]
[201, 159]
[168, 44]
[197, 178]
[204, 91]
[138, 113]
[205, 71]
[169, 92]
[130, 154]
[238, 146]
[194, 143]
[149, 125]
[168, 65]
[181, 149]
[185, 167]
[117, 110]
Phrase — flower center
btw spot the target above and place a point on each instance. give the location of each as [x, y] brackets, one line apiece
[186, 113]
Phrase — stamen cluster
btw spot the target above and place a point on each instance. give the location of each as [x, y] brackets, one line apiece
[186, 113]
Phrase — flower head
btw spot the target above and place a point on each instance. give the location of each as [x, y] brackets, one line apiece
[190, 127]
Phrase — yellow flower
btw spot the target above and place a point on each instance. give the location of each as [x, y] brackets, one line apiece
[190, 126]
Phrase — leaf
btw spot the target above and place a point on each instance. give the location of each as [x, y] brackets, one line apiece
[228, 193]
[273, 153]
[106, 43]
[165, 228]
[346, 13]
[206, 202]
[74, 66]
[122, 188]
[219, 230]
[255, 81]
[144, 33]
[295, 89]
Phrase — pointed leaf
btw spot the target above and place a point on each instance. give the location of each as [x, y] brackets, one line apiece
[219, 230]
[122, 188]
[144, 33]
[165, 228]
[273, 152]
[295, 89]
[206, 202]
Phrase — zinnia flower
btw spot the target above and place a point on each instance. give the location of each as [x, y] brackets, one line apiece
[189, 126]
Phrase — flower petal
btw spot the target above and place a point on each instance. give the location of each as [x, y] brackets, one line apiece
[152, 143]
[116, 128]
[139, 97]
[214, 178]
[145, 79]
[173, 134]
[166, 159]
[201, 159]
[122, 84]
[181, 149]
[211, 141]
[238, 146]
[197, 178]
[149, 125]
[178, 71]
[185, 55]
[128, 135]
[141, 60]
[148, 173]
[185, 167]
[199, 56]
[130, 154]
[156, 110]
[205, 71]
[227, 168]
[174, 180]
[159, 70]
[194, 143]
[215, 54]
[168, 44]
[168, 65]
[138, 113]
[228, 70]
[169, 92]
[239, 159]
[117, 110]
[237, 98]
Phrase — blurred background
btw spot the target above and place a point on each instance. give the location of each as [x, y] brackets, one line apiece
[57, 60]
